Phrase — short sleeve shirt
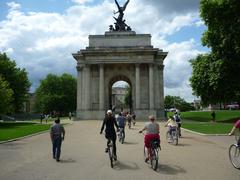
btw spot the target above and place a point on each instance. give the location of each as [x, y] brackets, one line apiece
[237, 124]
[152, 128]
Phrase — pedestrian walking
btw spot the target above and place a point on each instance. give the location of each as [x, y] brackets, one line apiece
[57, 134]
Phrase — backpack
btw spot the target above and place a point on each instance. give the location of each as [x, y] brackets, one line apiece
[177, 119]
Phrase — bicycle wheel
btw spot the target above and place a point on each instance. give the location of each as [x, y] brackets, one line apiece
[234, 155]
[154, 159]
[175, 137]
[144, 154]
[110, 153]
[168, 137]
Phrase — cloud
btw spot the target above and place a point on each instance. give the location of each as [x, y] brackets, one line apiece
[81, 1]
[43, 42]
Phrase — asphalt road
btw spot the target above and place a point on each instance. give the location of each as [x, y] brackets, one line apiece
[195, 158]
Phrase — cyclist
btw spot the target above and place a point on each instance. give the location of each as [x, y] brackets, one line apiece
[110, 133]
[236, 126]
[152, 132]
[177, 118]
[129, 119]
[121, 121]
[171, 124]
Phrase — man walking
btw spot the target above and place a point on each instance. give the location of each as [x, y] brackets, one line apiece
[57, 134]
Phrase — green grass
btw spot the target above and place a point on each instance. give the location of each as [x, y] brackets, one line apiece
[205, 116]
[209, 128]
[14, 130]
[200, 121]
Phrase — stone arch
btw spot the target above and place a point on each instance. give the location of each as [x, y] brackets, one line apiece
[114, 79]
[117, 56]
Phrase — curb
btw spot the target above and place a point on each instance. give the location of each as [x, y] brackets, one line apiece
[202, 134]
[27, 136]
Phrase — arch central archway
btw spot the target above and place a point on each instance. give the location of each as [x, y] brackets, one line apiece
[120, 90]
[118, 56]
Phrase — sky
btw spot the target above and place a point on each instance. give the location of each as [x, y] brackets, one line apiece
[42, 35]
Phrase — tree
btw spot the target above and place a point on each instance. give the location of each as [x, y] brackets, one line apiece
[177, 102]
[17, 79]
[222, 18]
[57, 93]
[128, 98]
[6, 96]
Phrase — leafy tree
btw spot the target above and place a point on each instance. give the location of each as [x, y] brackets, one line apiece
[17, 79]
[6, 96]
[128, 98]
[57, 93]
[222, 18]
[177, 102]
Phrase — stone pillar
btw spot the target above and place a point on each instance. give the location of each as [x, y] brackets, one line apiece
[87, 87]
[101, 87]
[151, 90]
[161, 96]
[137, 77]
[79, 87]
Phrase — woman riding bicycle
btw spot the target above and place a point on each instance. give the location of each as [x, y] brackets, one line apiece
[171, 124]
[110, 133]
[152, 132]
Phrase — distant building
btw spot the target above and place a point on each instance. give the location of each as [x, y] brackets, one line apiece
[118, 95]
[29, 104]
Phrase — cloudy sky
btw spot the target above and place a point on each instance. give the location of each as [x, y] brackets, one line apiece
[41, 35]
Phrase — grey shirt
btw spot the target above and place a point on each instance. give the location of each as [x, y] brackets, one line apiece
[57, 130]
[152, 128]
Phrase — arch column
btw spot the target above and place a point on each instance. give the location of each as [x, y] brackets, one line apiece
[137, 87]
[151, 90]
[79, 87]
[101, 87]
[87, 87]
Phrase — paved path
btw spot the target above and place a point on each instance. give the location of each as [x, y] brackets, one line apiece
[195, 158]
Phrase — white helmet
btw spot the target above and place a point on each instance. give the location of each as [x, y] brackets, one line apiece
[109, 112]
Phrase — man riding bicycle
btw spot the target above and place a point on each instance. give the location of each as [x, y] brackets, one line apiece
[152, 133]
[236, 126]
[177, 118]
[110, 133]
[121, 121]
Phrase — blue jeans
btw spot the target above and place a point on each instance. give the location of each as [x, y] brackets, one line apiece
[57, 142]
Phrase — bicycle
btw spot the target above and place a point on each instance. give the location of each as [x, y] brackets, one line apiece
[152, 154]
[173, 137]
[234, 151]
[121, 136]
[110, 152]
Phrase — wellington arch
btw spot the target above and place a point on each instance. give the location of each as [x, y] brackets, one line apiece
[120, 54]
[114, 56]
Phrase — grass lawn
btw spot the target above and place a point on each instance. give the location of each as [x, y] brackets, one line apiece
[14, 130]
[200, 121]
[205, 116]
[209, 128]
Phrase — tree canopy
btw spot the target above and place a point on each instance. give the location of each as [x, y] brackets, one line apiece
[177, 102]
[215, 76]
[57, 93]
[17, 81]
[6, 96]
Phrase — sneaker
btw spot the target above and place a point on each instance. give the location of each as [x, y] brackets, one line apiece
[146, 160]
[57, 160]
[106, 150]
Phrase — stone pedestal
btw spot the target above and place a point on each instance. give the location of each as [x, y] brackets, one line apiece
[115, 56]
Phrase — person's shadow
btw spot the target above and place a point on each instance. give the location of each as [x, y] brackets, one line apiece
[69, 160]
[170, 169]
[129, 166]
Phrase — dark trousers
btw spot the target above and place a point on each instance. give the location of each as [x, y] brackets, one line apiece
[113, 138]
[57, 142]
